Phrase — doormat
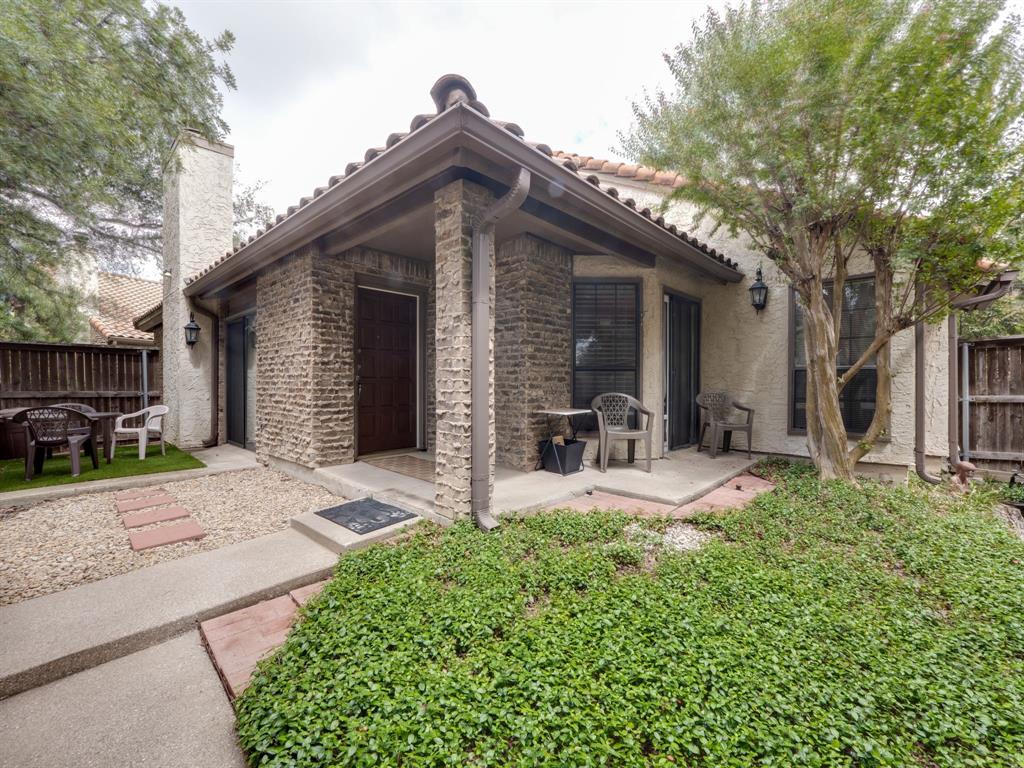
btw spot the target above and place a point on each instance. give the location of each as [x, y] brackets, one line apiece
[365, 515]
[408, 464]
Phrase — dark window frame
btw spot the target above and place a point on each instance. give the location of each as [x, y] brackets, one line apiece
[791, 429]
[637, 285]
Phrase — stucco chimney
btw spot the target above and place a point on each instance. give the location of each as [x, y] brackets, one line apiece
[197, 230]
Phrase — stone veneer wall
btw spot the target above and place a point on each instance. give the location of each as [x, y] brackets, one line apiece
[533, 348]
[284, 360]
[334, 293]
[305, 358]
[456, 208]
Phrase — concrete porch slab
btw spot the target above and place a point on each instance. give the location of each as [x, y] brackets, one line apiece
[674, 480]
[680, 477]
[50, 637]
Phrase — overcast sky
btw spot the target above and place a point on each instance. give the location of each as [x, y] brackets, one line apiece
[320, 82]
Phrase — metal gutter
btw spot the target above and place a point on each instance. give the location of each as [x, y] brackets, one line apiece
[919, 387]
[480, 382]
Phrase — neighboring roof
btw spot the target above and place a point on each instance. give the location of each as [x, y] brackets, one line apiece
[454, 91]
[119, 300]
[621, 170]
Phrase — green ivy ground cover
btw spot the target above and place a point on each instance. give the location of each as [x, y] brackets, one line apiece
[825, 625]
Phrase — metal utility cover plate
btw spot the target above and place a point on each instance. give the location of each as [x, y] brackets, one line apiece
[365, 515]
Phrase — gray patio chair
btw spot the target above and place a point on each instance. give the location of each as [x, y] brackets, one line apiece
[50, 427]
[612, 409]
[82, 426]
[719, 412]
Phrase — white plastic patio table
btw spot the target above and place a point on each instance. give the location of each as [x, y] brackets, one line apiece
[559, 413]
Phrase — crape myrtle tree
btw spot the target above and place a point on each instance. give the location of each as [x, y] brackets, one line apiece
[888, 130]
[92, 95]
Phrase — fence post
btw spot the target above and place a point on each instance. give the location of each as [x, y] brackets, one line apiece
[965, 399]
[145, 377]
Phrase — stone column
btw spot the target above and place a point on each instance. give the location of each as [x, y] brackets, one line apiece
[533, 362]
[197, 229]
[456, 207]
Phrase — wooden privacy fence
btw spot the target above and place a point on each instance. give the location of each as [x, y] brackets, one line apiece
[124, 379]
[992, 401]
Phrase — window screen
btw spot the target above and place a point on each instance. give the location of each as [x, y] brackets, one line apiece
[857, 400]
[606, 340]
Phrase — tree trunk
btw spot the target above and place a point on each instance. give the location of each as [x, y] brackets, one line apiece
[826, 434]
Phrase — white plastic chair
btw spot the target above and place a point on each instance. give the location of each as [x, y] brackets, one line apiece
[152, 422]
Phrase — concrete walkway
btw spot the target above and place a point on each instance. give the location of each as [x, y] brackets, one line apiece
[223, 458]
[49, 637]
[159, 708]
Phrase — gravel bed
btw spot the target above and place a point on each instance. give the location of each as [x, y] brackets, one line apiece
[678, 537]
[62, 543]
[683, 536]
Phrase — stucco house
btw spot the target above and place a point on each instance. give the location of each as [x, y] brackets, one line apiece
[460, 277]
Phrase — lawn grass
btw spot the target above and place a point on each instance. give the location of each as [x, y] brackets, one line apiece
[824, 625]
[57, 471]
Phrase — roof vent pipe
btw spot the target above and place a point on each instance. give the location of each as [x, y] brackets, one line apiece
[480, 410]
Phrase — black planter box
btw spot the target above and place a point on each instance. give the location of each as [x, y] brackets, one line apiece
[562, 459]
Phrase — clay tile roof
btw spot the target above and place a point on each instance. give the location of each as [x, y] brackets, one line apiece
[453, 89]
[119, 299]
[626, 170]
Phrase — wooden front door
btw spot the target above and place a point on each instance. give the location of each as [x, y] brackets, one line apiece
[385, 370]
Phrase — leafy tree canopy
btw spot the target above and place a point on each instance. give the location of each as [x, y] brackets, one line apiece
[820, 129]
[92, 95]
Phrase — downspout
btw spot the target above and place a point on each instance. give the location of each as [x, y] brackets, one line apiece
[480, 350]
[214, 438]
[919, 401]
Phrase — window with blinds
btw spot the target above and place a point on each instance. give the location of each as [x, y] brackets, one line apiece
[606, 340]
[857, 330]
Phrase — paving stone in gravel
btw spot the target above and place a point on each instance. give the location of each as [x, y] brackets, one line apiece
[73, 540]
[138, 493]
[153, 516]
[165, 534]
[130, 505]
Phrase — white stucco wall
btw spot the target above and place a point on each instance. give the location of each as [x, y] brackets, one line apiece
[747, 353]
[197, 229]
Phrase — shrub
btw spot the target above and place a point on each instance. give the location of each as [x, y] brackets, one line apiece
[824, 625]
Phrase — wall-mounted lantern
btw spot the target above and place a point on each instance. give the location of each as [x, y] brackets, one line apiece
[759, 292]
[191, 330]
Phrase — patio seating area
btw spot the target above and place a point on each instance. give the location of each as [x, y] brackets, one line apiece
[676, 479]
[51, 441]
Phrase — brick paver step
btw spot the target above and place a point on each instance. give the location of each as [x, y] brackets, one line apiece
[302, 595]
[166, 534]
[130, 505]
[152, 516]
[238, 640]
[138, 493]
